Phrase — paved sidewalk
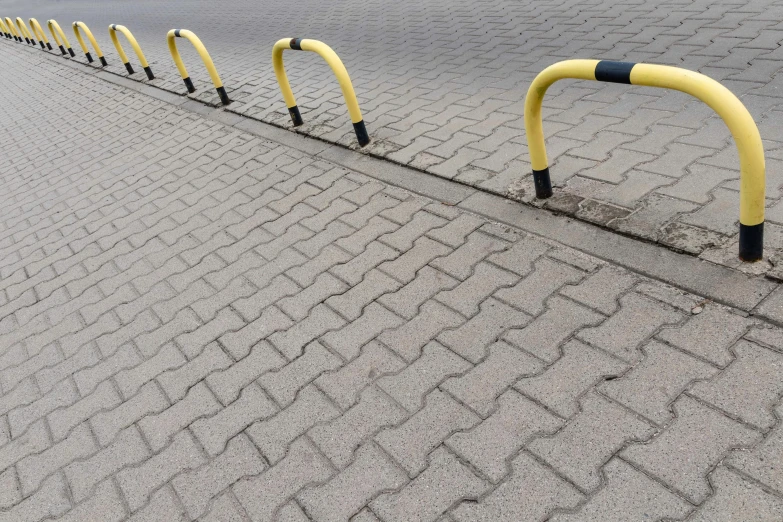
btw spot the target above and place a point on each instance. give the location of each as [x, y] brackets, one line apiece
[197, 323]
[442, 85]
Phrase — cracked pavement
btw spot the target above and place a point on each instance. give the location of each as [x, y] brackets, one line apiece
[200, 323]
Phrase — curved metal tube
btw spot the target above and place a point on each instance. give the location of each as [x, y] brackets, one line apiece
[331, 58]
[113, 28]
[93, 41]
[202, 52]
[716, 96]
[61, 40]
[39, 32]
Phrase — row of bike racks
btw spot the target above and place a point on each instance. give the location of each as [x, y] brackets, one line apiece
[716, 96]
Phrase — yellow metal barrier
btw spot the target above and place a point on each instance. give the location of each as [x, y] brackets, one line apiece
[113, 28]
[59, 37]
[338, 68]
[13, 29]
[25, 32]
[202, 51]
[5, 32]
[93, 41]
[715, 95]
[39, 32]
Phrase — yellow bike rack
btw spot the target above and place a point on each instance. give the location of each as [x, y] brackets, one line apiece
[61, 40]
[13, 29]
[39, 32]
[325, 52]
[25, 32]
[113, 28]
[5, 32]
[83, 27]
[716, 96]
[202, 51]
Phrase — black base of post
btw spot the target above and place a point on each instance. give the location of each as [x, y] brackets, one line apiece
[361, 133]
[70, 51]
[149, 73]
[42, 45]
[751, 242]
[189, 84]
[296, 116]
[48, 46]
[62, 50]
[223, 95]
[129, 68]
[103, 61]
[543, 183]
[26, 39]
[89, 57]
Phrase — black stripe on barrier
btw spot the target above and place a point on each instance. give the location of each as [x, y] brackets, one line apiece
[615, 72]
[103, 61]
[129, 68]
[26, 39]
[176, 32]
[70, 51]
[42, 45]
[62, 50]
[49, 46]
[543, 183]
[189, 84]
[751, 242]
[223, 95]
[296, 44]
[149, 73]
[89, 57]
[361, 133]
[296, 116]
[114, 27]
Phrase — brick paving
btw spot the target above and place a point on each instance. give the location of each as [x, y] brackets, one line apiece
[442, 85]
[198, 323]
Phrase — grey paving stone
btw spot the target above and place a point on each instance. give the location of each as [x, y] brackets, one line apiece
[695, 425]
[640, 318]
[652, 385]
[196, 488]
[411, 442]
[263, 495]
[736, 497]
[629, 494]
[763, 462]
[562, 384]
[603, 427]
[700, 337]
[545, 335]
[748, 388]
[492, 443]
[504, 503]
[479, 387]
[410, 386]
[371, 473]
[444, 482]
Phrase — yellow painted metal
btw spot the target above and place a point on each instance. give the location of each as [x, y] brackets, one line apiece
[38, 30]
[578, 69]
[23, 29]
[716, 96]
[331, 58]
[735, 116]
[3, 28]
[58, 34]
[113, 28]
[11, 26]
[93, 41]
[202, 52]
